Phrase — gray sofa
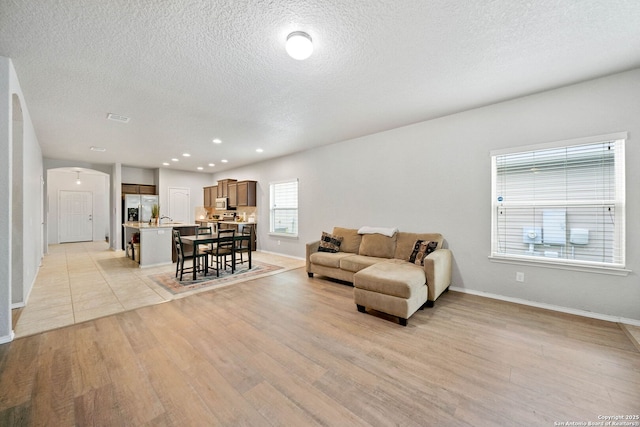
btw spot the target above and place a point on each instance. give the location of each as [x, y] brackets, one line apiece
[379, 268]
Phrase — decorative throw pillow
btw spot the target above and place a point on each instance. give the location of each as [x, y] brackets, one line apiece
[329, 243]
[421, 249]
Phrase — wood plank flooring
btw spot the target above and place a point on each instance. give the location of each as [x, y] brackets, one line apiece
[292, 351]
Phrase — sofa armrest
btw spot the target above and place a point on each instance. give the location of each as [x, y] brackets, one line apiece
[311, 248]
[437, 267]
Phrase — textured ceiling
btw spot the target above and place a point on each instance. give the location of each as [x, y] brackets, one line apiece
[186, 72]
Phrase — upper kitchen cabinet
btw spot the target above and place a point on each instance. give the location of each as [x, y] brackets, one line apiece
[148, 189]
[233, 194]
[223, 187]
[210, 194]
[138, 189]
[246, 193]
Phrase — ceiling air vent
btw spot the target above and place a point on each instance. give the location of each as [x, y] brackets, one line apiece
[118, 118]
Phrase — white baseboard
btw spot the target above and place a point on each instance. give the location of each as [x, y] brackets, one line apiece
[17, 305]
[552, 307]
[7, 338]
[283, 255]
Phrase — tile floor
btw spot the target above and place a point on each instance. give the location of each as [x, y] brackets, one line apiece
[83, 281]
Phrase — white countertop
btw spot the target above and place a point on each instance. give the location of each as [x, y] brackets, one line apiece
[220, 221]
[236, 222]
[146, 225]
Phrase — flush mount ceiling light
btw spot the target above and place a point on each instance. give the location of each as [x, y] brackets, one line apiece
[299, 45]
[99, 149]
[217, 141]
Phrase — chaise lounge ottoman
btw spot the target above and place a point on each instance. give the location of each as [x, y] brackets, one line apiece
[394, 287]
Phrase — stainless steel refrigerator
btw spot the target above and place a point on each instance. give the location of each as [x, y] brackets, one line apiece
[138, 207]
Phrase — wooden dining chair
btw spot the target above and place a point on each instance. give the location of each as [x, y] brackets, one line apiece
[244, 246]
[186, 255]
[222, 250]
[205, 247]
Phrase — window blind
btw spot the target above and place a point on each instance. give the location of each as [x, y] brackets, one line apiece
[284, 208]
[563, 202]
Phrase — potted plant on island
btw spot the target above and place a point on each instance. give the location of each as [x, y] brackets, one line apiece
[155, 213]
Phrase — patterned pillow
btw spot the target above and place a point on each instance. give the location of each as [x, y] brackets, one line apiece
[421, 249]
[329, 243]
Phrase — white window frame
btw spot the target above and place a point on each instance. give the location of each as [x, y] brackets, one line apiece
[274, 230]
[501, 255]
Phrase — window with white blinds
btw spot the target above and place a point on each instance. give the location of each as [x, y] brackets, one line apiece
[561, 203]
[284, 208]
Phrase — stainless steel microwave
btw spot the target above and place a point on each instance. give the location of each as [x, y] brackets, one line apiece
[221, 204]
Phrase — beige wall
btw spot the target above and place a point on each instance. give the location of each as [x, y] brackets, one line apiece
[435, 176]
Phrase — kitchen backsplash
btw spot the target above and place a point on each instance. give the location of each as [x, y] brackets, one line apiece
[209, 212]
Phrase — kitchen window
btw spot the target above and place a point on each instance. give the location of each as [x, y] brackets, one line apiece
[561, 204]
[283, 198]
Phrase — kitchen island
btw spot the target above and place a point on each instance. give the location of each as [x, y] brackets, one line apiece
[156, 241]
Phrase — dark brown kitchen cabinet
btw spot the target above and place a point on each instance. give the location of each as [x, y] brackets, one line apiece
[148, 189]
[138, 189]
[210, 194]
[213, 193]
[233, 194]
[130, 189]
[246, 193]
[223, 187]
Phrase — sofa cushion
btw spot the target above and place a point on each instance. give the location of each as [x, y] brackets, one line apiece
[328, 259]
[350, 239]
[329, 243]
[394, 277]
[358, 262]
[421, 249]
[378, 245]
[406, 241]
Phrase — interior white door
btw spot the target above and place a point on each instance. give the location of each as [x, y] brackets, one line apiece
[180, 205]
[75, 216]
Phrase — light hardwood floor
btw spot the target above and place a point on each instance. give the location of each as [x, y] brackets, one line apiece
[293, 351]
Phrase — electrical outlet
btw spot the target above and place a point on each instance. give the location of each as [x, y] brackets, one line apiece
[278, 242]
[519, 276]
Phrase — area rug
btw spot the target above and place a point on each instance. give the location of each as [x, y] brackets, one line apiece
[173, 285]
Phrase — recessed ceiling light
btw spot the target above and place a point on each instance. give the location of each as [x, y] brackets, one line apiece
[200, 168]
[165, 164]
[175, 160]
[259, 150]
[100, 149]
[186, 155]
[212, 164]
[217, 141]
[118, 118]
[224, 160]
[299, 45]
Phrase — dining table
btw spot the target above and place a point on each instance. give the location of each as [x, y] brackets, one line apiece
[205, 239]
